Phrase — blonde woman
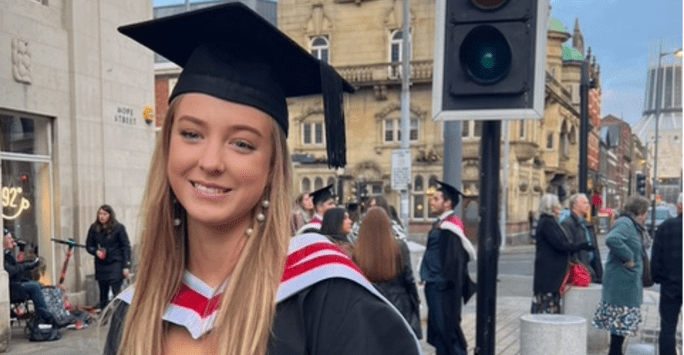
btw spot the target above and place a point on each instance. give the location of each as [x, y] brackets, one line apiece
[219, 273]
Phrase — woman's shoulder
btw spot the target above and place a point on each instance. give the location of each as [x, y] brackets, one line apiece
[343, 317]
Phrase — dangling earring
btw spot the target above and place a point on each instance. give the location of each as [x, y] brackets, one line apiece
[261, 217]
[176, 212]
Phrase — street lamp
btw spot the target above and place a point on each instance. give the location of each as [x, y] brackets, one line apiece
[659, 98]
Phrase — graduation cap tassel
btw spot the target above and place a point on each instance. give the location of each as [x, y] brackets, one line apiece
[331, 84]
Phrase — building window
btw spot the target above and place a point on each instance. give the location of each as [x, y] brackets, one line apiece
[522, 128]
[392, 130]
[320, 48]
[418, 198]
[477, 132]
[331, 181]
[549, 141]
[312, 133]
[318, 183]
[465, 129]
[306, 185]
[26, 167]
[396, 53]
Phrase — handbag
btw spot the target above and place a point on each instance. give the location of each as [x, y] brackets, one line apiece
[646, 278]
[577, 275]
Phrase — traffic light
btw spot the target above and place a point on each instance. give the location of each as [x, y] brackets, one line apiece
[641, 184]
[490, 59]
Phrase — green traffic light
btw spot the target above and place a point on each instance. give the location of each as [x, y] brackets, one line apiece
[488, 60]
[485, 55]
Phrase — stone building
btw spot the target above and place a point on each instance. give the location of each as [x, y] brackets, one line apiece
[669, 125]
[363, 41]
[617, 134]
[72, 137]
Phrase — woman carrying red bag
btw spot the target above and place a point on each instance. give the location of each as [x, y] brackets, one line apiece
[551, 257]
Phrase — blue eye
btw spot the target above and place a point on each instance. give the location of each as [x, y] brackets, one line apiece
[190, 135]
[242, 145]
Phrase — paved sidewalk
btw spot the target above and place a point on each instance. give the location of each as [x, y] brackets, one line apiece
[510, 309]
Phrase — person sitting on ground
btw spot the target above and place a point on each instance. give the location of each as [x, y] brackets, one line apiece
[20, 287]
[336, 226]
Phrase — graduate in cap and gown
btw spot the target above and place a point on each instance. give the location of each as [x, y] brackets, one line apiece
[445, 272]
[323, 200]
[219, 272]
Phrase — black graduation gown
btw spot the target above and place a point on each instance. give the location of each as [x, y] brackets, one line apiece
[444, 298]
[334, 316]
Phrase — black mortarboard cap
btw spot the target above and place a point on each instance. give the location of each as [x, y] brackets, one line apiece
[449, 192]
[230, 52]
[322, 195]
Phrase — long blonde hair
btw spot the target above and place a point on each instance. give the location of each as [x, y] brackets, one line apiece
[248, 304]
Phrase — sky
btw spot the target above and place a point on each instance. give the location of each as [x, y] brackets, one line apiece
[624, 35]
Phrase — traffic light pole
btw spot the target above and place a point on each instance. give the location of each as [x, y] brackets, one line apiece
[489, 238]
[584, 126]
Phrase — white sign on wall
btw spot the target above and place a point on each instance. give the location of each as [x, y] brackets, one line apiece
[401, 169]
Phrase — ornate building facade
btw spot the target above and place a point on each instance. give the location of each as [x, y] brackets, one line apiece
[363, 41]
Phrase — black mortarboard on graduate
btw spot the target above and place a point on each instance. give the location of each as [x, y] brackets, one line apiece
[322, 195]
[230, 52]
[449, 192]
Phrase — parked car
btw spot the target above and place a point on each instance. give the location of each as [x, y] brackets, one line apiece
[663, 213]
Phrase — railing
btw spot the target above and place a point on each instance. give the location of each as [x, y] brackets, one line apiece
[385, 73]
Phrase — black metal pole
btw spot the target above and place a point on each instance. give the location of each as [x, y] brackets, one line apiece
[489, 237]
[584, 126]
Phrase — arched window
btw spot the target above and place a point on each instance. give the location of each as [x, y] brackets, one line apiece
[318, 183]
[320, 48]
[306, 185]
[331, 181]
[396, 45]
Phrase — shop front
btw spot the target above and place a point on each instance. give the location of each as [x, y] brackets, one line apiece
[27, 186]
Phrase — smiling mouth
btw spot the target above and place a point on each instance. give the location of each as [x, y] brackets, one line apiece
[209, 190]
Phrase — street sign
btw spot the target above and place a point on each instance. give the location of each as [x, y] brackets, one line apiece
[401, 169]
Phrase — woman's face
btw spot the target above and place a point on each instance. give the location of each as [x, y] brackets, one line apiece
[642, 217]
[372, 203]
[103, 216]
[307, 202]
[219, 157]
[346, 224]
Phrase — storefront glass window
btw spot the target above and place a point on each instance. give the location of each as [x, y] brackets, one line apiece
[26, 182]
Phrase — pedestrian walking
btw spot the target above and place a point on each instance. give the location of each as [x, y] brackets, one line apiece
[551, 257]
[619, 311]
[445, 272]
[219, 272]
[108, 242]
[666, 268]
[578, 233]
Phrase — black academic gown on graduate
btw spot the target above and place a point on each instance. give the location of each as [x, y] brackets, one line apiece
[452, 285]
[334, 315]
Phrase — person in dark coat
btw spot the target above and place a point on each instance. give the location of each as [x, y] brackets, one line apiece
[108, 242]
[445, 272]
[219, 272]
[666, 269]
[551, 257]
[578, 233]
[620, 309]
[19, 286]
[386, 262]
